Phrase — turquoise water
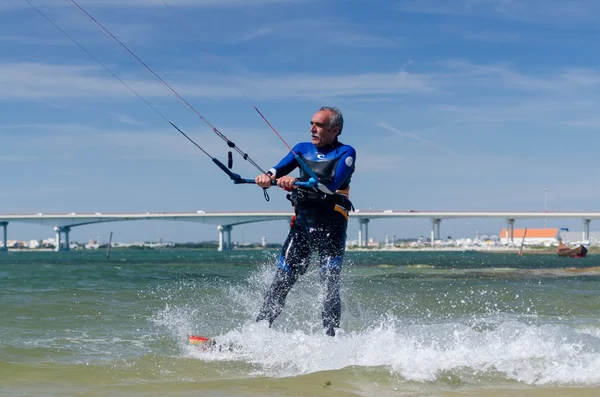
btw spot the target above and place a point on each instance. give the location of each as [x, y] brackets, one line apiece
[430, 322]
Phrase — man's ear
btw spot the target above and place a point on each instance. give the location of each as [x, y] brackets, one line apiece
[336, 130]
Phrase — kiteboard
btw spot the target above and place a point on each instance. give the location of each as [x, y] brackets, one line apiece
[203, 342]
[206, 343]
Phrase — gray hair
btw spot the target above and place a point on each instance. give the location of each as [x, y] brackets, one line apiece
[336, 117]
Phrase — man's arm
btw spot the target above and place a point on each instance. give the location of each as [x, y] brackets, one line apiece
[285, 166]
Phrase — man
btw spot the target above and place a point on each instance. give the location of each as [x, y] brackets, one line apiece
[321, 216]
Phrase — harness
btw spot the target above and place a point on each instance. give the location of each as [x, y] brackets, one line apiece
[339, 202]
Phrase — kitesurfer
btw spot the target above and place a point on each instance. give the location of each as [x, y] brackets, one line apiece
[321, 215]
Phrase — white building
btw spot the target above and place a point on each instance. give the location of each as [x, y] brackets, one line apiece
[577, 237]
[33, 244]
[531, 236]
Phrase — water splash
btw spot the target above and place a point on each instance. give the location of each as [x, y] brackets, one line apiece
[497, 343]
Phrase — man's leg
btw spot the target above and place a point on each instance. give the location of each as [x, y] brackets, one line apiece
[331, 256]
[293, 260]
[332, 305]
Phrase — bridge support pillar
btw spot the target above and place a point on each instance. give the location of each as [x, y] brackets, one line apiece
[435, 229]
[224, 237]
[60, 230]
[4, 237]
[510, 231]
[586, 229]
[363, 234]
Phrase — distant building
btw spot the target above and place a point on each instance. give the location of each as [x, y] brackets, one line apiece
[577, 237]
[49, 242]
[91, 245]
[372, 243]
[543, 236]
[34, 244]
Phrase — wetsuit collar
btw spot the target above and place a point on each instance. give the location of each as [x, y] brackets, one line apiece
[332, 145]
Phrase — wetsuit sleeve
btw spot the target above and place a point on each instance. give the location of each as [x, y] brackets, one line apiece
[287, 164]
[345, 167]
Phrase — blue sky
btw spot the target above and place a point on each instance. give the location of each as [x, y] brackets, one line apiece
[451, 105]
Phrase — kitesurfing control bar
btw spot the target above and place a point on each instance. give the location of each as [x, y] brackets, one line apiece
[238, 180]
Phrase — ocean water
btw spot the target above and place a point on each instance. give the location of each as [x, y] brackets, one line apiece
[413, 324]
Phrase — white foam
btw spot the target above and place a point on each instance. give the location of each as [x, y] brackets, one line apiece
[531, 354]
[506, 346]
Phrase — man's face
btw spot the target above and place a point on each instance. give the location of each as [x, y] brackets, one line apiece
[321, 134]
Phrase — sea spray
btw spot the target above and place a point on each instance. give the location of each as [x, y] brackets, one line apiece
[490, 334]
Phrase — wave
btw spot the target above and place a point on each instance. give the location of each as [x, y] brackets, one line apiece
[483, 348]
[535, 355]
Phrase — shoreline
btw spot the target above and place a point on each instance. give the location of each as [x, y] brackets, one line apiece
[483, 250]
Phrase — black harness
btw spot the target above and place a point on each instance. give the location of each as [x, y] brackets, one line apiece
[307, 196]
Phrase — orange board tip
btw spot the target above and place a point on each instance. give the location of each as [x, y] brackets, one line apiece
[195, 339]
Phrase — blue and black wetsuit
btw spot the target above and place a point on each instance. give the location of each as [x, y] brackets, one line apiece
[319, 226]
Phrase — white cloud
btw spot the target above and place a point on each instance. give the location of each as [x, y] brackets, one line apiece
[592, 122]
[38, 81]
[10, 4]
[441, 7]
[331, 31]
[255, 34]
[69, 139]
[501, 76]
[351, 38]
[547, 10]
[315, 86]
[34, 40]
[126, 119]
[188, 3]
[582, 77]
[504, 78]
[45, 142]
[458, 92]
[416, 137]
[531, 10]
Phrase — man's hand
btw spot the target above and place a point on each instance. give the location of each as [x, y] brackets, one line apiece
[286, 182]
[263, 180]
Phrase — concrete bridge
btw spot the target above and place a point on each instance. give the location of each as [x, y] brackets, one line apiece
[62, 223]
